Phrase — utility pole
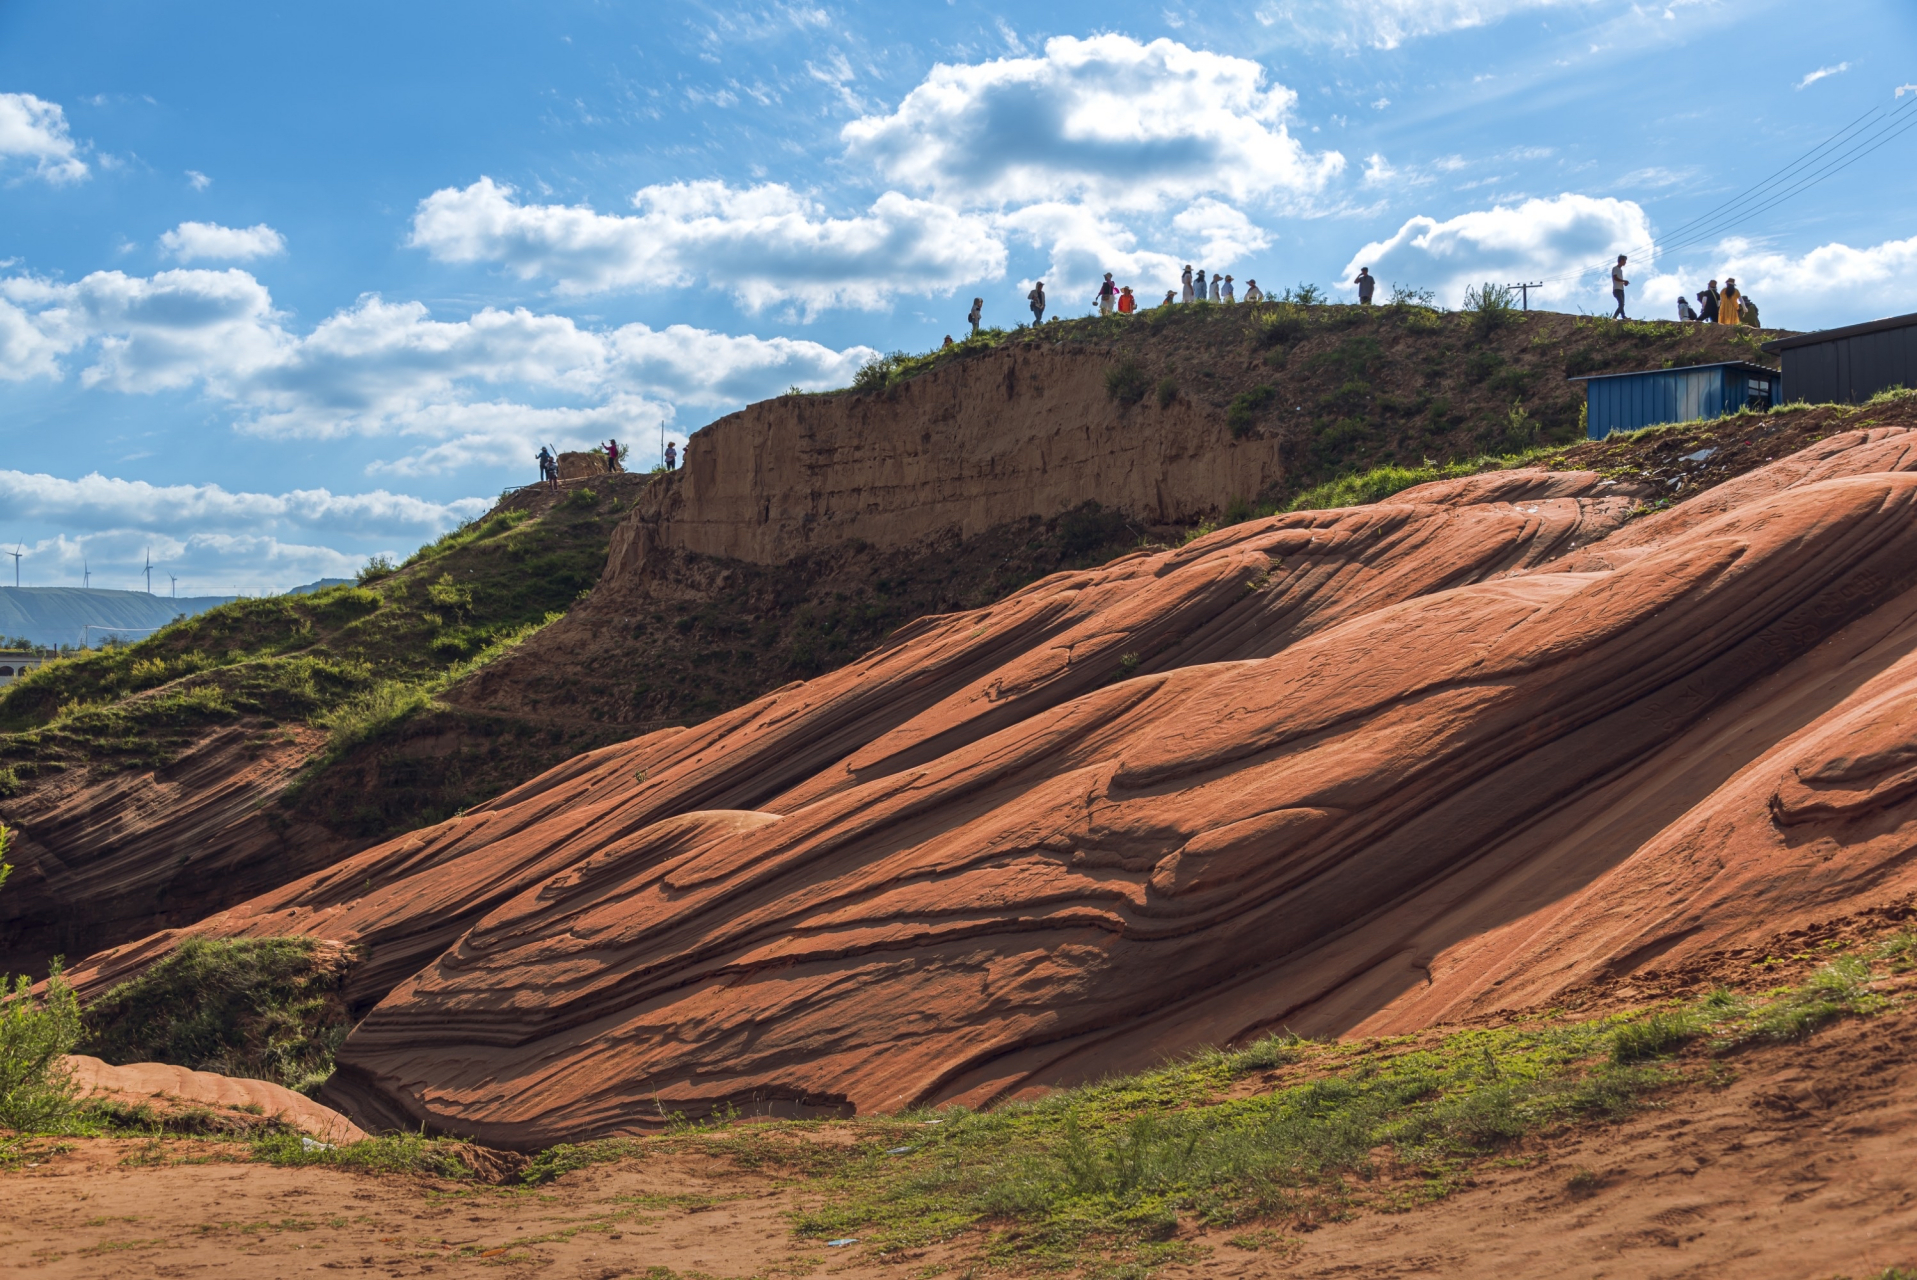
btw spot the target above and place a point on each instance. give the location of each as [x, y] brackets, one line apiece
[1525, 289]
[15, 553]
[149, 573]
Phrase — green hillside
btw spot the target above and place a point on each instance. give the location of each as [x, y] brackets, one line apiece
[56, 616]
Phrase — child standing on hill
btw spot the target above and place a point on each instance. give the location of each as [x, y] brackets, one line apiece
[1126, 303]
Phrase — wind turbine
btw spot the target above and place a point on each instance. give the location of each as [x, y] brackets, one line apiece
[176, 584]
[149, 573]
[15, 553]
[86, 575]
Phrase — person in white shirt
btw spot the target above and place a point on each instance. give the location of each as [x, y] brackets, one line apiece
[1252, 292]
[1617, 287]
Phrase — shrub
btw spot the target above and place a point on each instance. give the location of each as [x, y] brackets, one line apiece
[1276, 323]
[1305, 295]
[342, 604]
[1491, 307]
[36, 1092]
[1245, 408]
[377, 567]
[1126, 382]
[1654, 1037]
[1167, 392]
[1406, 296]
[582, 497]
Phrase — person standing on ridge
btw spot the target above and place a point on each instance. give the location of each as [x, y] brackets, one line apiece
[978, 309]
[1217, 281]
[1367, 285]
[672, 460]
[1684, 311]
[1107, 294]
[1226, 292]
[1729, 310]
[1037, 299]
[1171, 298]
[1187, 280]
[1126, 302]
[1198, 283]
[1707, 304]
[548, 469]
[1617, 287]
[1253, 293]
[612, 456]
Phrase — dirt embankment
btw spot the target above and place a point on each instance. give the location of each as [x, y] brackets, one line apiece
[1221, 407]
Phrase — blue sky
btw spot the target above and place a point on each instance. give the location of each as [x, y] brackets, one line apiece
[281, 288]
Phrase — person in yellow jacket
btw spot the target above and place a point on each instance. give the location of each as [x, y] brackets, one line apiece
[1727, 309]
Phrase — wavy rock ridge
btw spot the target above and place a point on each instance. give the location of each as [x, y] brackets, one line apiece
[1359, 769]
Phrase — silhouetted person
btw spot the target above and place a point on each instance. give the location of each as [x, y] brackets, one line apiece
[548, 468]
[1037, 300]
[1707, 304]
[1367, 285]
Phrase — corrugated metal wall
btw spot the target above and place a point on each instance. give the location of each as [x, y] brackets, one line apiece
[1851, 370]
[1644, 399]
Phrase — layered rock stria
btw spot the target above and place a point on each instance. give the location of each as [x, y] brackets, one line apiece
[1356, 769]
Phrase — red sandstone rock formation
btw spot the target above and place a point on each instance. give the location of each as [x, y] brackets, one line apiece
[1357, 769]
[149, 1083]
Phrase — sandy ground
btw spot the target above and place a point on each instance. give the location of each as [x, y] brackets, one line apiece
[1800, 1165]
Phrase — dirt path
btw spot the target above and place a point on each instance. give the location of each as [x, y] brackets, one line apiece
[1798, 1166]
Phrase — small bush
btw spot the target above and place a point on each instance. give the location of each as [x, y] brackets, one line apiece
[1245, 407]
[377, 567]
[583, 497]
[36, 1093]
[1277, 323]
[1167, 392]
[1491, 307]
[342, 604]
[1126, 382]
[1305, 295]
[1406, 296]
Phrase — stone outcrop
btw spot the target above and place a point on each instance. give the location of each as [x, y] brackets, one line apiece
[163, 1087]
[1360, 769]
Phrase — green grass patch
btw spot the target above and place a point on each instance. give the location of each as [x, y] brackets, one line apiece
[265, 1008]
[394, 1153]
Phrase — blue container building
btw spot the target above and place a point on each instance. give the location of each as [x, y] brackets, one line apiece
[1629, 401]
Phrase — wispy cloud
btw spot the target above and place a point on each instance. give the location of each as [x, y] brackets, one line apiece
[1822, 73]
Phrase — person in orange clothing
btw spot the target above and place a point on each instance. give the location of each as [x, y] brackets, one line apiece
[1727, 309]
[1126, 302]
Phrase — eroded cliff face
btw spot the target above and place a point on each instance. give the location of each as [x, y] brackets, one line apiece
[1358, 769]
[1016, 432]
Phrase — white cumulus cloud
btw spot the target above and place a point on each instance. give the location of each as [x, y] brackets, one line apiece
[35, 130]
[487, 388]
[1106, 120]
[1566, 241]
[196, 241]
[765, 244]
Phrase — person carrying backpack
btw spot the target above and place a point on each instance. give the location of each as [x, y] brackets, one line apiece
[1107, 295]
[548, 468]
[1707, 304]
[1037, 300]
[978, 309]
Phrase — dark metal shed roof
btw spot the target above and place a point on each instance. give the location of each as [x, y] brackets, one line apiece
[1745, 365]
[1848, 331]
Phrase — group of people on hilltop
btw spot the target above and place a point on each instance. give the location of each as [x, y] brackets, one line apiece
[1120, 299]
[611, 450]
[1728, 305]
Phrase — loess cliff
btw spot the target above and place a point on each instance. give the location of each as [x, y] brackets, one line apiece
[1469, 749]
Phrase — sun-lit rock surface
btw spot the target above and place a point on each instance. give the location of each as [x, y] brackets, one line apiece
[1341, 770]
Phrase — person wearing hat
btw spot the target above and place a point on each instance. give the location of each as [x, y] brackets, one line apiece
[1107, 294]
[1126, 303]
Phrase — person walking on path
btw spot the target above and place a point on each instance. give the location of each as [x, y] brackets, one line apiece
[1037, 300]
[1126, 302]
[1187, 281]
[1253, 293]
[1728, 309]
[548, 469]
[1707, 304]
[972, 316]
[1107, 294]
[672, 459]
[1367, 285]
[1618, 282]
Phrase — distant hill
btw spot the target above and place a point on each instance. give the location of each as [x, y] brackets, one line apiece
[57, 615]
